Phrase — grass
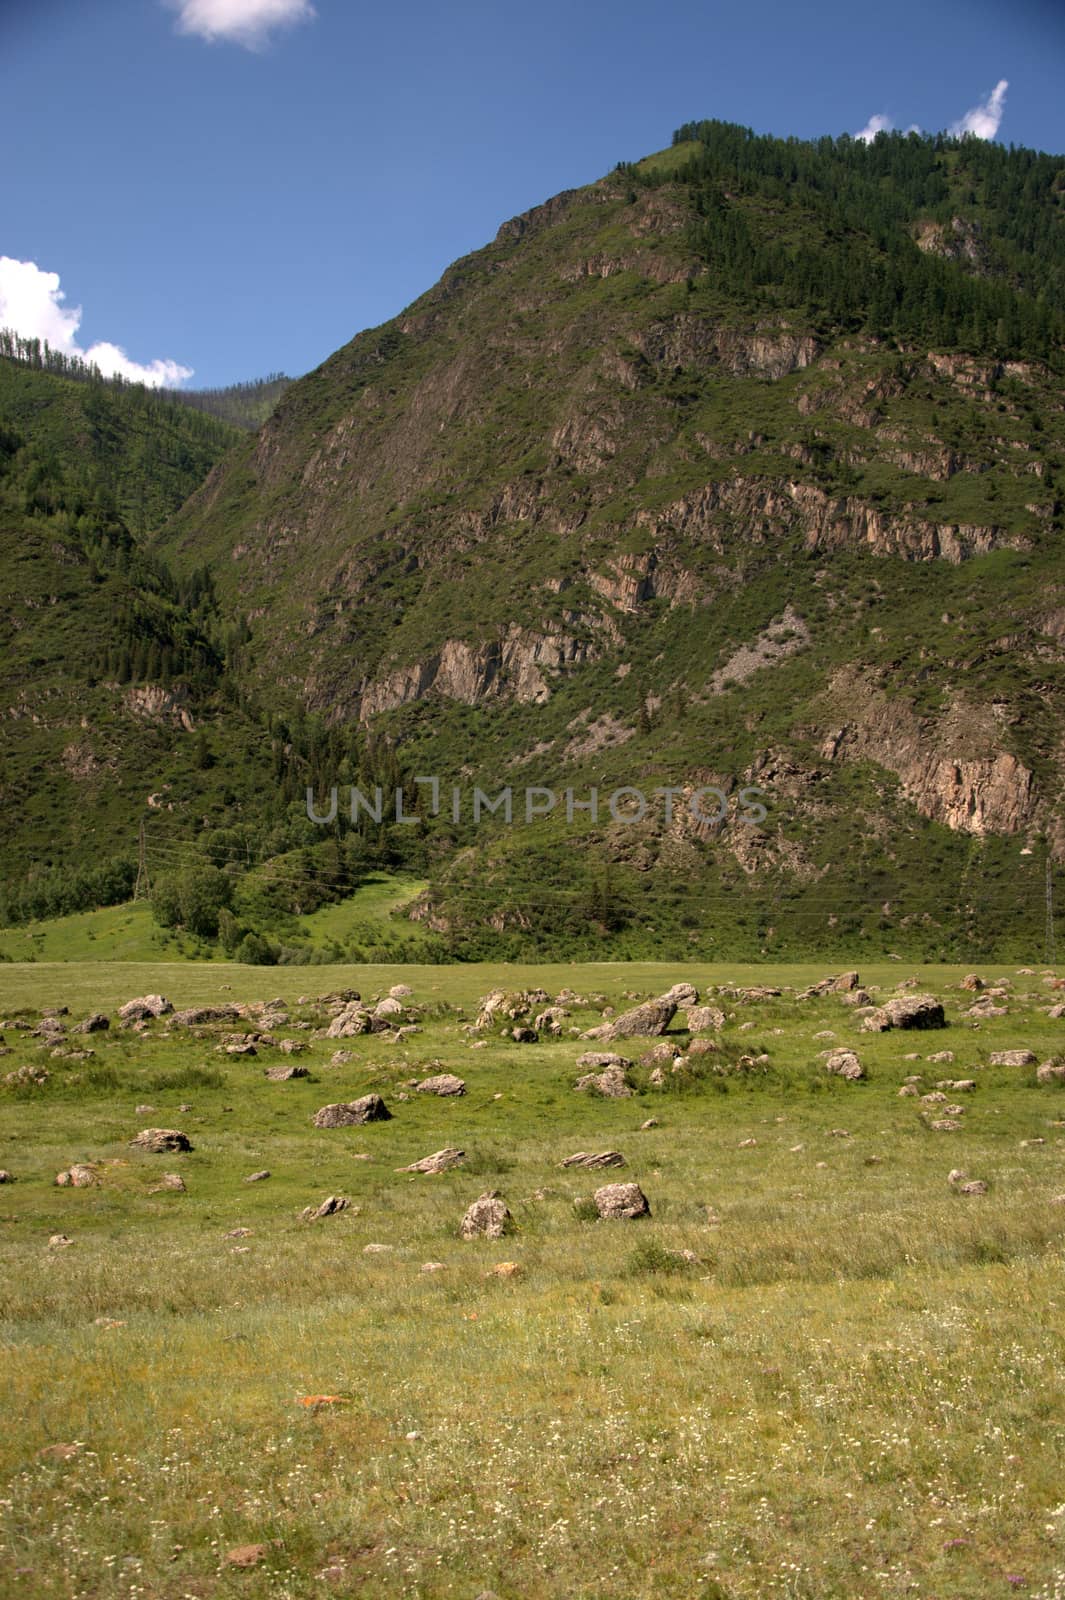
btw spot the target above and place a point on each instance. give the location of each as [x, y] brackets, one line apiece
[851, 1389]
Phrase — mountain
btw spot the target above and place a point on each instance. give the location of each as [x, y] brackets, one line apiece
[739, 467]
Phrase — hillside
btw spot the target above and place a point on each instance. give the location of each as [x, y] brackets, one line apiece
[739, 465]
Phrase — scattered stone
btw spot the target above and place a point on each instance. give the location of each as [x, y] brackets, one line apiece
[369, 1108]
[488, 1217]
[376, 1249]
[1013, 1058]
[340, 1058]
[245, 1048]
[246, 1555]
[388, 1008]
[915, 1011]
[96, 1023]
[257, 1177]
[682, 994]
[440, 1161]
[79, 1176]
[523, 1035]
[1051, 1072]
[550, 1021]
[59, 1241]
[144, 1008]
[443, 1084]
[1027, 1143]
[196, 1016]
[945, 1125]
[908, 1089]
[747, 1144]
[652, 1122]
[612, 1083]
[351, 1021]
[595, 1060]
[505, 1269]
[944, 1056]
[701, 1018]
[839, 1133]
[972, 983]
[432, 1266]
[621, 1200]
[143, 1111]
[285, 1074]
[328, 1208]
[26, 1075]
[934, 1097]
[605, 1158]
[844, 1064]
[292, 1047]
[400, 991]
[857, 997]
[170, 1180]
[161, 1141]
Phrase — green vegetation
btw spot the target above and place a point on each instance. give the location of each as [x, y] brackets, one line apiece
[814, 1357]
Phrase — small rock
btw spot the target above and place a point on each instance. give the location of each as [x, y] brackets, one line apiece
[143, 1111]
[257, 1177]
[443, 1084]
[439, 1161]
[5, 1176]
[285, 1074]
[376, 1249]
[612, 1083]
[59, 1241]
[328, 1208]
[161, 1141]
[96, 1023]
[170, 1180]
[432, 1266]
[79, 1176]
[505, 1269]
[1051, 1072]
[605, 1158]
[652, 1122]
[1013, 1058]
[246, 1555]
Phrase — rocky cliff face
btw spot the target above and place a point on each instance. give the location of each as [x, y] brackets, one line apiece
[628, 508]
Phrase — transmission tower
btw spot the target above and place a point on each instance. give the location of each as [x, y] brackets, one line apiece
[144, 881]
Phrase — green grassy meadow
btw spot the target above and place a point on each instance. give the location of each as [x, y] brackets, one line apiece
[815, 1370]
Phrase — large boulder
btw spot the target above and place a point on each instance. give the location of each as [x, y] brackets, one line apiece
[622, 1200]
[161, 1141]
[644, 1021]
[351, 1113]
[144, 1008]
[915, 1011]
[487, 1218]
[682, 994]
[702, 1018]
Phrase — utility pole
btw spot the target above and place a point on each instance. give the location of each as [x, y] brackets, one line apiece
[1050, 955]
[143, 876]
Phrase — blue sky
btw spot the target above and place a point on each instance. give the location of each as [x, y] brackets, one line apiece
[238, 201]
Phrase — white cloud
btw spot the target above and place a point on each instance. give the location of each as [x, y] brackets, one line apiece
[875, 125]
[246, 22]
[985, 119]
[32, 305]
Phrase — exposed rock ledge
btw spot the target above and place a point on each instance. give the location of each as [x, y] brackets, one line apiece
[516, 663]
[951, 771]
